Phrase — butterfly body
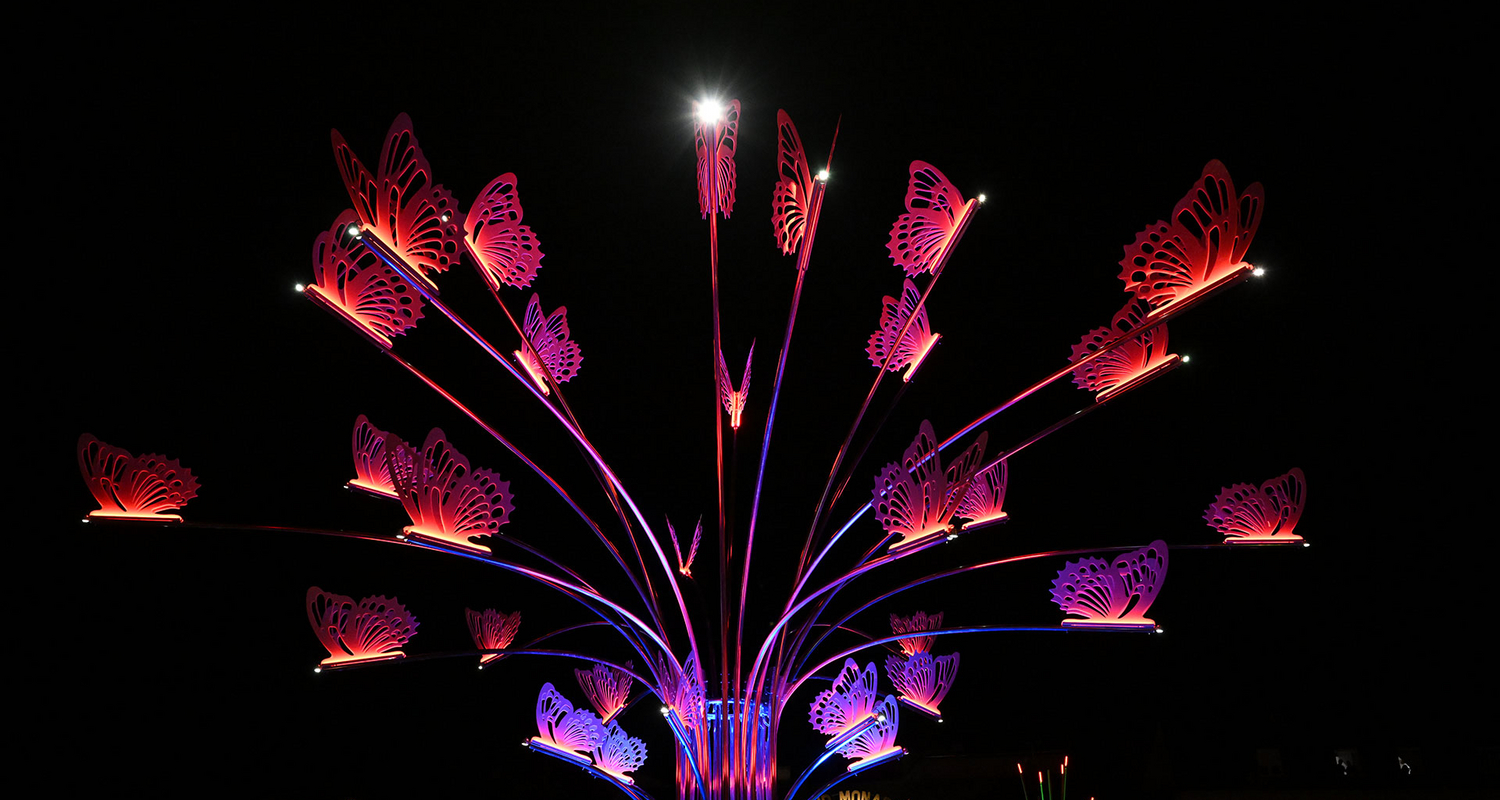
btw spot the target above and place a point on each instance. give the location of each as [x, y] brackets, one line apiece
[734, 400]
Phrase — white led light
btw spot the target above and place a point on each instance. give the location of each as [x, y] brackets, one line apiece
[445, 217]
[354, 230]
[981, 199]
[1260, 272]
[1186, 359]
[299, 287]
[823, 175]
[317, 670]
[710, 111]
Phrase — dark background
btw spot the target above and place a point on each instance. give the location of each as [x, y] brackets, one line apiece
[196, 150]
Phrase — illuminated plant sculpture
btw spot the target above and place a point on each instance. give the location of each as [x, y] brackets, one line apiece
[377, 270]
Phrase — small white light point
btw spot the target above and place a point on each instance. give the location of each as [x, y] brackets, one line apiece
[1260, 272]
[981, 199]
[317, 670]
[446, 216]
[354, 230]
[299, 287]
[823, 175]
[1186, 359]
[1307, 544]
[710, 111]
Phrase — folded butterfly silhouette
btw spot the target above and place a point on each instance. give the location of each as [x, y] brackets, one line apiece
[791, 198]
[915, 497]
[448, 501]
[504, 250]
[548, 350]
[1202, 246]
[1112, 594]
[133, 487]
[734, 401]
[716, 191]
[374, 629]
[607, 689]
[861, 726]
[686, 567]
[574, 734]
[371, 472]
[909, 343]
[921, 680]
[409, 216]
[352, 282]
[1267, 514]
[492, 630]
[1143, 357]
[916, 623]
[685, 694]
[936, 215]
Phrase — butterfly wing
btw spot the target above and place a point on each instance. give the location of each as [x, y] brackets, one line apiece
[717, 155]
[880, 738]
[726, 389]
[1271, 509]
[1142, 572]
[549, 340]
[920, 236]
[370, 467]
[960, 474]
[619, 753]
[1091, 589]
[794, 185]
[916, 623]
[745, 380]
[504, 250]
[328, 613]
[693, 551]
[895, 339]
[378, 625]
[417, 217]
[350, 280]
[986, 494]
[851, 699]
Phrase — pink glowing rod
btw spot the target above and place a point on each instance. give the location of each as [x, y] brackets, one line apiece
[127, 487]
[1267, 514]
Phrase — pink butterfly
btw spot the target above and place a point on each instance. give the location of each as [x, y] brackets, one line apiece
[982, 502]
[734, 401]
[914, 624]
[374, 629]
[852, 699]
[447, 500]
[1247, 514]
[922, 680]
[1127, 365]
[607, 689]
[878, 742]
[912, 346]
[133, 487]
[915, 497]
[548, 350]
[686, 567]
[725, 133]
[935, 211]
[792, 194]
[564, 731]
[1203, 244]
[492, 630]
[618, 753]
[353, 283]
[372, 473]
[682, 691]
[400, 205]
[1112, 594]
[504, 250]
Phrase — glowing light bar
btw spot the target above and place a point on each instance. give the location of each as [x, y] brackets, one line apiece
[917, 362]
[984, 522]
[1166, 365]
[536, 378]
[543, 747]
[920, 706]
[854, 732]
[334, 663]
[876, 760]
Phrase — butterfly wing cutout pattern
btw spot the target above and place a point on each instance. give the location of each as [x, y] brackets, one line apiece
[400, 204]
[448, 501]
[853, 698]
[686, 567]
[133, 487]
[568, 731]
[792, 195]
[734, 400]
[904, 344]
[371, 472]
[1127, 364]
[350, 281]
[607, 689]
[505, 251]
[983, 502]
[618, 753]
[1203, 243]
[916, 497]
[374, 629]
[1245, 513]
[1115, 593]
[934, 211]
[879, 741]
[548, 349]
[717, 155]
[916, 623]
[492, 630]
[682, 690]
[922, 680]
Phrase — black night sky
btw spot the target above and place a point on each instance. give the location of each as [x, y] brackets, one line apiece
[180, 661]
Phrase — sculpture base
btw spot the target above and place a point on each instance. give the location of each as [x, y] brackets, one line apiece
[930, 537]
[1233, 276]
[1169, 363]
[125, 516]
[445, 544]
[921, 708]
[1266, 541]
[368, 488]
[546, 748]
[333, 663]
[976, 524]
[331, 305]
[1109, 624]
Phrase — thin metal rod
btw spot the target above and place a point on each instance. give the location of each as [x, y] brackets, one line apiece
[712, 167]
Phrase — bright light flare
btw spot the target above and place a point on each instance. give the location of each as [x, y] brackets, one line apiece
[299, 287]
[981, 199]
[1260, 272]
[1186, 359]
[355, 231]
[710, 111]
[823, 175]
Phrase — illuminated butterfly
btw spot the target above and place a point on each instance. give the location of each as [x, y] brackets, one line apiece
[492, 630]
[353, 283]
[548, 350]
[1246, 513]
[448, 501]
[915, 497]
[607, 689]
[916, 623]
[372, 473]
[686, 567]
[935, 210]
[792, 194]
[851, 700]
[982, 502]
[374, 629]
[722, 157]
[888, 341]
[1127, 364]
[564, 728]
[504, 250]
[734, 401]
[133, 487]
[1204, 242]
[922, 680]
[618, 753]
[878, 742]
[400, 204]
[1115, 593]
[682, 691]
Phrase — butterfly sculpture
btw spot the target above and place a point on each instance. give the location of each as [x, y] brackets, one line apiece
[1202, 245]
[715, 142]
[982, 503]
[904, 337]
[607, 689]
[448, 501]
[791, 199]
[374, 629]
[682, 691]
[1129, 364]
[505, 251]
[686, 567]
[1267, 514]
[548, 351]
[133, 487]
[935, 218]
[618, 753]
[371, 472]
[563, 731]
[850, 701]
[734, 401]
[400, 206]
[915, 498]
[922, 680]
[352, 282]
[1112, 593]
[916, 623]
[492, 630]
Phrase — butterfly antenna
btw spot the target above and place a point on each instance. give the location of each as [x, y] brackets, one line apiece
[829, 166]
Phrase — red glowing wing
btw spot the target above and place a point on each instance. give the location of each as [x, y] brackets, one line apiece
[328, 613]
[920, 236]
[446, 499]
[683, 690]
[985, 497]
[693, 550]
[915, 623]
[548, 337]
[1244, 511]
[371, 472]
[734, 400]
[1142, 572]
[1125, 362]
[376, 626]
[910, 497]
[505, 251]
[726, 388]
[363, 191]
[563, 726]
[794, 185]
[619, 753]
[352, 282]
[492, 630]
[888, 341]
[607, 689]
[878, 739]
[921, 678]
[851, 699]
[961, 473]
[138, 486]
[1206, 239]
[722, 158]
[676, 550]
[1090, 589]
